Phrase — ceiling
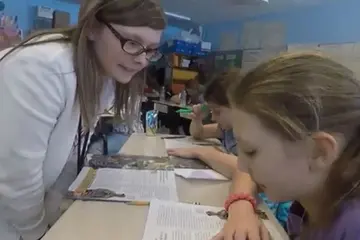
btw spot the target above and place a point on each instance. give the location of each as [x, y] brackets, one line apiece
[206, 11]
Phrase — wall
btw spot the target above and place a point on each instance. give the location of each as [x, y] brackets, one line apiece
[333, 22]
[26, 12]
[212, 32]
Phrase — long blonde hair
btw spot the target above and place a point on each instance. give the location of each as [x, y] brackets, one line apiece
[299, 94]
[88, 71]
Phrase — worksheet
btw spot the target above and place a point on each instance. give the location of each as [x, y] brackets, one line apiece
[125, 184]
[181, 221]
[205, 174]
[168, 220]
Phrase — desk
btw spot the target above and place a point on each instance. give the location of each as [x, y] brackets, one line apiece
[114, 221]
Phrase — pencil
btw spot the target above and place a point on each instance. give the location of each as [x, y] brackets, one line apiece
[138, 203]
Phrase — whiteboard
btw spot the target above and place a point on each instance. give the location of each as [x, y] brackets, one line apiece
[338, 51]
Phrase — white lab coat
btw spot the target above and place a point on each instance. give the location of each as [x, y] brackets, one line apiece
[38, 124]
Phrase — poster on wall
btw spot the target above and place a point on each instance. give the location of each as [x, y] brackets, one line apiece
[257, 34]
[10, 33]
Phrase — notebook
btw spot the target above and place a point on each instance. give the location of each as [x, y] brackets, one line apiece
[111, 184]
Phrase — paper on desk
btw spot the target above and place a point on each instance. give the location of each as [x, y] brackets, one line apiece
[188, 143]
[181, 221]
[205, 174]
[178, 143]
[137, 185]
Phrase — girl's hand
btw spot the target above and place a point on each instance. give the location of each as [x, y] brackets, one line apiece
[197, 113]
[242, 224]
[185, 152]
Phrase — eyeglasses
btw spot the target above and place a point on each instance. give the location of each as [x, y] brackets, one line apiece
[135, 48]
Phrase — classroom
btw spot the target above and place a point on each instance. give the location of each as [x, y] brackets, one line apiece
[179, 120]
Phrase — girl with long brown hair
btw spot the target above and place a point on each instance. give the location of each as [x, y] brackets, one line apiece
[296, 119]
[53, 85]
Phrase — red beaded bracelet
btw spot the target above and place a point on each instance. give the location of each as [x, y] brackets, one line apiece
[238, 197]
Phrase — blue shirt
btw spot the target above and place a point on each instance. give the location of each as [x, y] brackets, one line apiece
[228, 141]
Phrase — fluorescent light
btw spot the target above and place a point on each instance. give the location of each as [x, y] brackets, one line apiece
[178, 16]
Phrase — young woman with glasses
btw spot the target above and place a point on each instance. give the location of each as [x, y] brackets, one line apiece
[53, 86]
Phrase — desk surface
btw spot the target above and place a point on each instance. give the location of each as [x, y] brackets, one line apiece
[113, 221]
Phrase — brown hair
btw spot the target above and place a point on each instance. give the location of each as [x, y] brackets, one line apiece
[298, 94]
[134, 13]
[216, 89]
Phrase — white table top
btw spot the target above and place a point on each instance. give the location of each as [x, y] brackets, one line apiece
[113, 221]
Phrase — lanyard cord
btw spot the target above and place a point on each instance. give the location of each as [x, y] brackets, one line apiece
[81, 150]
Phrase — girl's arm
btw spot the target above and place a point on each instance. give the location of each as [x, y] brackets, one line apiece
[31, 93]
[200, 131]
[221, 162]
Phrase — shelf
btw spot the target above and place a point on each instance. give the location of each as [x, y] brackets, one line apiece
[183, 74]
[184, 68]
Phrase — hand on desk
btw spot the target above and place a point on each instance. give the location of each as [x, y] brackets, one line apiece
[242, 224]
[186, 152]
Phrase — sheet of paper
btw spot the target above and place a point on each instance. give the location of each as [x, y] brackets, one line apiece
[273, 35]
[228, 41]
[205, 174]
[181, 221]
[137, 185]
[189, 143]
[251, 35]
[178, 143]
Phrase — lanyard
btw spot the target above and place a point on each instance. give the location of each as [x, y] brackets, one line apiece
[81, 150]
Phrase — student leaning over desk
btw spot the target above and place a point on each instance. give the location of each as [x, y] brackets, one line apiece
[46, 84]
[296, 118]
[225, 162]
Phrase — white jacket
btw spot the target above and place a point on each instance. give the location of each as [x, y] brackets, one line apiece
[38, 124]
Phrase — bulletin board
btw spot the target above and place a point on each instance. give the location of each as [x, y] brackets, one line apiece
[10, 33]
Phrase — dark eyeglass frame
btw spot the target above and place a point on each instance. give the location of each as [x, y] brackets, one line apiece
[124, 40]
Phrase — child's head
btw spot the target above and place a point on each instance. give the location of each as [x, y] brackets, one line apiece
[297, 118]
[215, 96]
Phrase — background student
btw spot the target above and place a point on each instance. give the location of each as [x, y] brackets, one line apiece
[223, 162]
[52, 86]
[296, 118]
